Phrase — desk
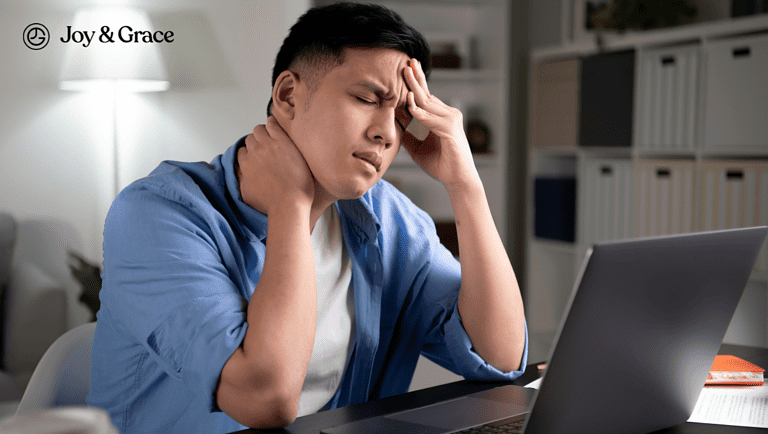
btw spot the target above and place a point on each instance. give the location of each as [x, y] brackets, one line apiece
[313, 423]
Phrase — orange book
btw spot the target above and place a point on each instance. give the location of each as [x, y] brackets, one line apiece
[734, 371]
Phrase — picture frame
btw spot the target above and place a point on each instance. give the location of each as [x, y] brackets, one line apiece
[592, 18]
[446, 44]
[586, 12]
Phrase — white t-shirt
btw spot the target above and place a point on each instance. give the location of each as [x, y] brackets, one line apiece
[335, 330]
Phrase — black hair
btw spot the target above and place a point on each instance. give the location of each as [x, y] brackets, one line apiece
[320, 35]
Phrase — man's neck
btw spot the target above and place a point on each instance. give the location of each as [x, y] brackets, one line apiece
[321, 202]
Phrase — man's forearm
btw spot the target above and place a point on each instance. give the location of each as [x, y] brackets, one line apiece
[282, 312]
[281, 319]
[490, 304]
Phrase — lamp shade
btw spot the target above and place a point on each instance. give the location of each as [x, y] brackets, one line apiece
[108, 52]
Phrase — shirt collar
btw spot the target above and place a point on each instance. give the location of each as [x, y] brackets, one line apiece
[254, 221]
[360, 213]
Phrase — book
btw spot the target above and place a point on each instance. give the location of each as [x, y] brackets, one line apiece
[734, 371]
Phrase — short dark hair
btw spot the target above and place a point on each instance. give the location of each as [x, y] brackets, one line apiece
[319, 37]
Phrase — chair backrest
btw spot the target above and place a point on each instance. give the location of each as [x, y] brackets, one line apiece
[7, 239]
[63, 375]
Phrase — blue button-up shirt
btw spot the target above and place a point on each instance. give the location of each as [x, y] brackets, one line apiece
[182, 256]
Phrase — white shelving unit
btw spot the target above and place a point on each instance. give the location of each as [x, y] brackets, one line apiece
[699, 107]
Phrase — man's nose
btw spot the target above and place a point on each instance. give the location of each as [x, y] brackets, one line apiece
[383, 129]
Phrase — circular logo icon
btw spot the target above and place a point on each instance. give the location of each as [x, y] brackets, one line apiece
[36, 36]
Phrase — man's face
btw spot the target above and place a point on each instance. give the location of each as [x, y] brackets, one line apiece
[351, 130]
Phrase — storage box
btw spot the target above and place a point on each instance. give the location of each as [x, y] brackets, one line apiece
[736, 96]
[555, 104]
[663, 199]
[555, 210]
[605, 201]
[668, 81]
[607, 88]
[734, 194]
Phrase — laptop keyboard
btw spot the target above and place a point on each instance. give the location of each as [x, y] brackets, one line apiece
[516, 426]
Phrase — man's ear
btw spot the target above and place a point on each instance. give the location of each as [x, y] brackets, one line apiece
[284, 95]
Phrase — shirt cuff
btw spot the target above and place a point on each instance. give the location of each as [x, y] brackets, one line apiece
[468, 363]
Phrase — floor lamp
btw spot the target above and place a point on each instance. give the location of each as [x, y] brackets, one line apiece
[114, 67]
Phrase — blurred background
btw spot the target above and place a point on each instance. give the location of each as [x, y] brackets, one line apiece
[582, 127]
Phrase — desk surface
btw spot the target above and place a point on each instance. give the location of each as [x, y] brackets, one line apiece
[313, 423]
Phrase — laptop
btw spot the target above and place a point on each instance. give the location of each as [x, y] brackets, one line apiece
[643, 325]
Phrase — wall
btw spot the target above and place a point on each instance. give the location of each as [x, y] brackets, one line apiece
[56, 146]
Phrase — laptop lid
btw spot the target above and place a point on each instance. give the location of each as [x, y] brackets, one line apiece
[644, 324]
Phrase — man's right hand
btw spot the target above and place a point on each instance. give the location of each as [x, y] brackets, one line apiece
[260, 385]
[271, 169]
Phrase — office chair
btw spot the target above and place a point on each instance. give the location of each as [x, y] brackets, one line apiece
[63, 375]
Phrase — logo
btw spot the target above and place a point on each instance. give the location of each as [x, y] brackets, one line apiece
[126, 34]
[36, 36]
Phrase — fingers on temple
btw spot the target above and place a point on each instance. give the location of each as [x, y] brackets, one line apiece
[420, 90]
[419, 74]
[413, 107]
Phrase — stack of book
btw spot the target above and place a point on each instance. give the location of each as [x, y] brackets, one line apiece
[734, 371]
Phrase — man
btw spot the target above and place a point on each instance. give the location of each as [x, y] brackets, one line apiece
[285, 277]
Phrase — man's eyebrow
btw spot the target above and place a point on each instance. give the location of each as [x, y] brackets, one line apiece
[373, 87]
[379, 92]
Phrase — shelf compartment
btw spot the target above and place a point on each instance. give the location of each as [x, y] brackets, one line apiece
[550, 283]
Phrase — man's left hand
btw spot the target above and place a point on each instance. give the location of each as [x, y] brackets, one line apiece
[444, 154]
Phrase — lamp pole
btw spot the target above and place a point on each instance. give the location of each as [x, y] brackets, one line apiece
[115, 146]
[113, 68]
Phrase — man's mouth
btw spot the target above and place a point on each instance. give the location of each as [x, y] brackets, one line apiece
[372, 158]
